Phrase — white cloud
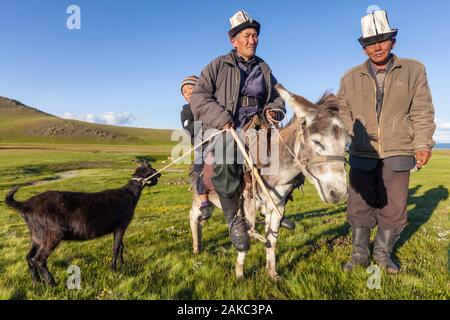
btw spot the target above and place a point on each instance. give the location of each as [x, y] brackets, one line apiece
[442, 136]
[116, 117]
[110, 117]
[443, 125]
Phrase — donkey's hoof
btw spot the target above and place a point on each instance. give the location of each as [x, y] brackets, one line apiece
[197, 250]
[240, 277]
[274, 276]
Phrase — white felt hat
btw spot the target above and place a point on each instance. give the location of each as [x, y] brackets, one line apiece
[376, 28]
[241, 21]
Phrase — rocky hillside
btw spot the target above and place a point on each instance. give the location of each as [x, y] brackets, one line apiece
[21, 123]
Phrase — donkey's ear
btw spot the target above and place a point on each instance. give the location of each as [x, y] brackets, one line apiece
[300, 105]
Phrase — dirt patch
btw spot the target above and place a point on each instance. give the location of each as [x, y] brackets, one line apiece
[60, 176]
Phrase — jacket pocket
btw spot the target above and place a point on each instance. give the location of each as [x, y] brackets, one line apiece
[402, 131]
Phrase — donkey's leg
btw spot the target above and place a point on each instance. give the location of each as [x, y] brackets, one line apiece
[250, 214]
[31, 254]
[272, 227]
[196, 228]
[240, 265]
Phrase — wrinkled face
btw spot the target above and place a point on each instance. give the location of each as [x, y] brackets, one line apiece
[246, 42]
[145, 171]
[324, 134]
[187, 92]
[379, 52]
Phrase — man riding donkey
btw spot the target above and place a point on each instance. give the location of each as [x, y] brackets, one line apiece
[188, 123]
[385, 103]
[230, 91]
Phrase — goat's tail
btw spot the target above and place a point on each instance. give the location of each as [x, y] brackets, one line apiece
[13, 203]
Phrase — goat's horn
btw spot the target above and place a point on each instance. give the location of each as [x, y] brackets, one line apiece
[137, 162]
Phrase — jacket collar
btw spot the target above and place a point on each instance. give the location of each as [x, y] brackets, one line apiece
[396, 63]
[231, 59]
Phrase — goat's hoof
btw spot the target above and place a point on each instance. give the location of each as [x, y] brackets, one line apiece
[51, 282]
[35, 278]
[113, 268]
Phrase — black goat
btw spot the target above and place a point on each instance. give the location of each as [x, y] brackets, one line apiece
[54, 216]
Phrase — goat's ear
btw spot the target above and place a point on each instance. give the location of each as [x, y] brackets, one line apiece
[300, 105]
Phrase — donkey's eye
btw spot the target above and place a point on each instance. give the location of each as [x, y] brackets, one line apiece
[319, 144]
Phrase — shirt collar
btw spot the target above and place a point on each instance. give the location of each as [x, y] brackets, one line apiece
[240, 59]
[386, 68]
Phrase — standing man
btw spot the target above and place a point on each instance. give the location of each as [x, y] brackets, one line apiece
[230, 91]
[385, 103]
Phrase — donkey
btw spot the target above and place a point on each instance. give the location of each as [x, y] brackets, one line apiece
[312, 145]
[54, 216]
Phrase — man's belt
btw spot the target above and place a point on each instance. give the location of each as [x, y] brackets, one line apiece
[249, 101]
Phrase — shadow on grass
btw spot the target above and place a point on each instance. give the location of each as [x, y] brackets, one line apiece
[317, 213]
[425, 205]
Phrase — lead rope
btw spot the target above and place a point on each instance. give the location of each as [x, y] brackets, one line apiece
[144, 181]
[252, 232]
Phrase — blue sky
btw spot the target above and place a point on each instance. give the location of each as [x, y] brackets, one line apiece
[126, 63]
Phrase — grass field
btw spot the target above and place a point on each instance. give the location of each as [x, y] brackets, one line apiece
[158, 259]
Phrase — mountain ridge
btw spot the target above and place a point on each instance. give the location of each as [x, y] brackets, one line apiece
[22, 123]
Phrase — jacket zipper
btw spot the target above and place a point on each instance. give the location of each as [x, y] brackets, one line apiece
[381, 111]
[236, 95]
[385, 88]
[376, 117]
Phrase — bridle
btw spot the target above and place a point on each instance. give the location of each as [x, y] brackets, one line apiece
[306, 161]
[142, 181]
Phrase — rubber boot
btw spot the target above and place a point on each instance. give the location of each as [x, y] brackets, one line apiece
[237, 225]
[206, 212]
[383, 245]
[287, 224]
[360, 254]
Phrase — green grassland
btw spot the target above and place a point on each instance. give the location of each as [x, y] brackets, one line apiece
[158, 259]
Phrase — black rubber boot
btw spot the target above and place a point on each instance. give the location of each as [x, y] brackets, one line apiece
[287, 224]
[237, 225]
[382, 250]
[206, 212]
[360, 254]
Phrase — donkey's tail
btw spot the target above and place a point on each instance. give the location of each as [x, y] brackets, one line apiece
[11, 202]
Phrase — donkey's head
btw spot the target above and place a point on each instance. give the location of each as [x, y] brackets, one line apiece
[319, 142]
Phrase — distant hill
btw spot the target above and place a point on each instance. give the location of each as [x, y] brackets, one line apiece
[24, 124]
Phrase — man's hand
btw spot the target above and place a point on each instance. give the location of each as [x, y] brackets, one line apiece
[228, 125]
[271, 116]
[422, 157]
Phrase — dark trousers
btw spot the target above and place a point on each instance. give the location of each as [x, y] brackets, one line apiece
[228, 172]
[378, 197]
